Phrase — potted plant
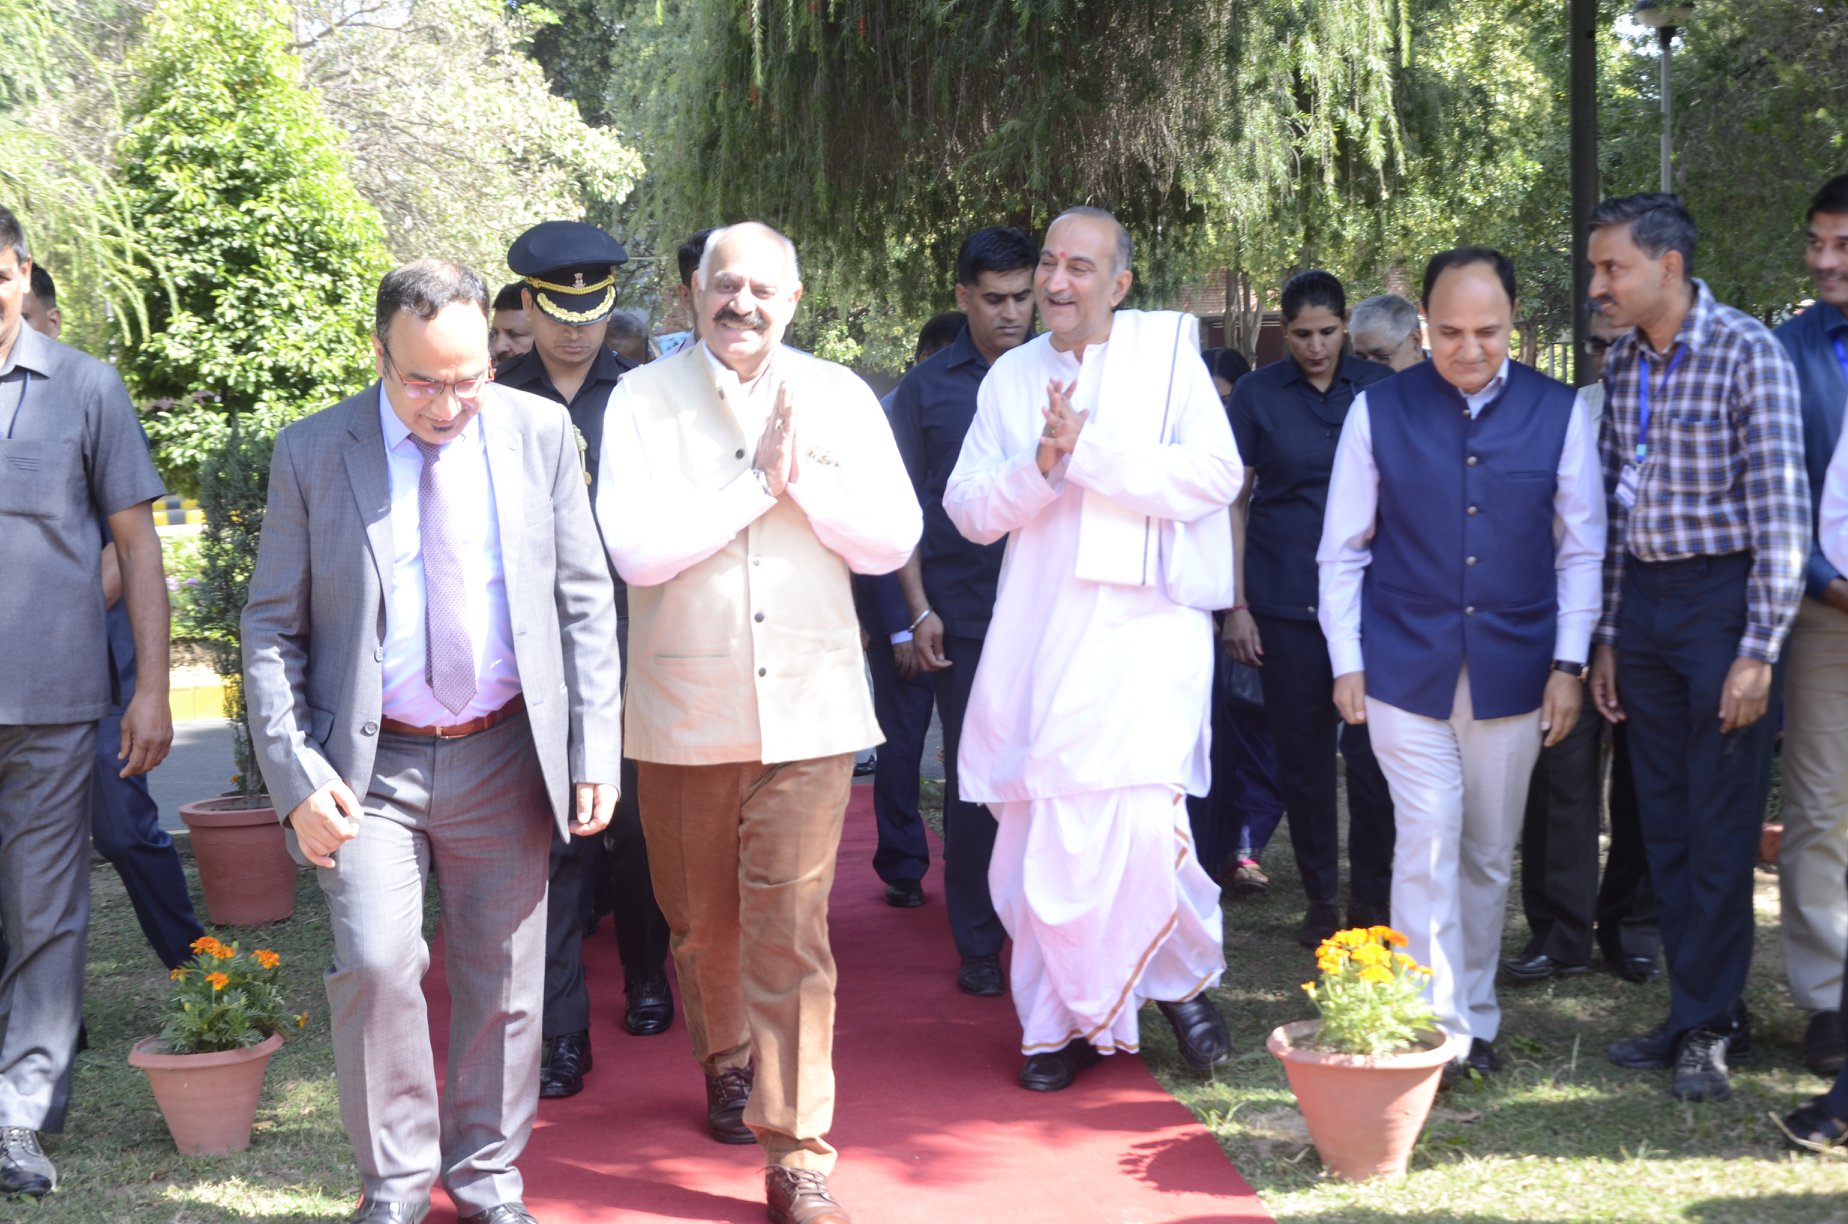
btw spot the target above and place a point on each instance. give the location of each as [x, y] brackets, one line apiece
[244, 866]
[1364, 1074]
[222, 1021]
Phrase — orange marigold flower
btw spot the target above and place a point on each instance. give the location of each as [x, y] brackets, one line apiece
[266, 958]
[218, 980]
[174, 975]
[205, 943]
[1396, 939]
[301, 1021]
[1376, 973]
[1309, 989]
[1381, 934]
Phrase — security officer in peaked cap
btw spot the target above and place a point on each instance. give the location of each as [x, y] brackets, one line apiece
[568, 273]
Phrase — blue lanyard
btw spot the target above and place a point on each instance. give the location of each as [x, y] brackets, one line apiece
[27, 386]
[1642, 432]
[1841, 355]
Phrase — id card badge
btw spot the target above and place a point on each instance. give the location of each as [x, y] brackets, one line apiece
[1626, 487]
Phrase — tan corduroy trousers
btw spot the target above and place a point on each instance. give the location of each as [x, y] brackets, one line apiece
[742, 857]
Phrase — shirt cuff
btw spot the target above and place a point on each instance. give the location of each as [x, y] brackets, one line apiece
[901, 637]
[1345, 655]
[1759, 643]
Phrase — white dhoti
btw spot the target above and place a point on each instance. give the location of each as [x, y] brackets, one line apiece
[1108, 907]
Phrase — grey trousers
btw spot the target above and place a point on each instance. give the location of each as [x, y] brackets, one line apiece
[474, 811]
[45, 911]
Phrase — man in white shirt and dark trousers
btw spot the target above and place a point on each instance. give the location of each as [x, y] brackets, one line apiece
[1459, 587]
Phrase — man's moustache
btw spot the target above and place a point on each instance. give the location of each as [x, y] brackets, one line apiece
[733, 319]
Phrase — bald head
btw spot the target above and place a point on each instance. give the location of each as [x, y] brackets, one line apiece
[746, 295]
[1083, 273]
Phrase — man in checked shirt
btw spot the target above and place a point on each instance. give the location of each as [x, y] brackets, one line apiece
[1702, 445]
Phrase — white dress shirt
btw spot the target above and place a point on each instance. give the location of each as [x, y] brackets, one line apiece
[1353, 504]
[1832, 515]
[407, 695]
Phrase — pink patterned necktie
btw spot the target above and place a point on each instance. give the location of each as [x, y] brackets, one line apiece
[449, 656]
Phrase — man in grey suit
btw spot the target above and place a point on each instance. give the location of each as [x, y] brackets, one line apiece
[431, 666]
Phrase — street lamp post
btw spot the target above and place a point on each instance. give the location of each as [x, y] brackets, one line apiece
[1664, 16]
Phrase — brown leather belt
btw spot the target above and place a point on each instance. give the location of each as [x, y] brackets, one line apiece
[459, 730]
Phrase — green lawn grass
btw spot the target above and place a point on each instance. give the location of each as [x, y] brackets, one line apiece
[1561, 1135]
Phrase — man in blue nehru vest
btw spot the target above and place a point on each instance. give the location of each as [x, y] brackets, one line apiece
[1460, 585]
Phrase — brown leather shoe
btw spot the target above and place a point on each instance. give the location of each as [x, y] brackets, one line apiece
[727, 1093]
[800, 1196]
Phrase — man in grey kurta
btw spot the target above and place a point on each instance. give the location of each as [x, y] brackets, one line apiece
[72, 458]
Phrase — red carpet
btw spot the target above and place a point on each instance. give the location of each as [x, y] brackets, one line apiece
[929, 1121]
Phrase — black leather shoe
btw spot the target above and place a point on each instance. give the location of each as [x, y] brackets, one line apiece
[1368, 913]
[905, 894]
[1822, 1043]
[1700, 1066]
[502, 1213]
[1650, 1051]
[1481, 1060]
[564, 1065]
[727, 1093]
[391, 1213]
[1655, 1051]
[651, 1006]
[1538, 967]
[981, 976]
[1318, 924]
[1056, 1069]
[1199, 1030]
[1813, 1128]
[865, 769]
[1638, 969]
[24, 1167]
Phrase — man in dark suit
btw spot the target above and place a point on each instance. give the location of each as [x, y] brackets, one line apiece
[430, 661]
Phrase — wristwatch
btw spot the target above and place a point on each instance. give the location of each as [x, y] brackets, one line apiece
[1575, 670]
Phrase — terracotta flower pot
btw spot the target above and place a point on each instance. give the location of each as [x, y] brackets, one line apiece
[209, 1100]
[244, 863]
[1363, 1112]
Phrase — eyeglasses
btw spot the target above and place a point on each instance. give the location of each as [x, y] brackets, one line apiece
[423, 389]
[1597, 346]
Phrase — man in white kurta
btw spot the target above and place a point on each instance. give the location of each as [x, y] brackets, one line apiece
[1102, 453]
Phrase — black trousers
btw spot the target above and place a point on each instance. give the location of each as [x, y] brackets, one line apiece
[1560, 892]
[1629, 923]
[903, 710]
[968, 828]
[576, 869]
[1700, 794]
[1299, 687]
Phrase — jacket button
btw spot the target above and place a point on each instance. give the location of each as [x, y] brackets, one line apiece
[1469, 560]
[1312, 609]
[740, 453]
[370, 728]
[763, 671]
[378, 654]
[756, 561]
[1470, 611]
[1471, 511]
[758, 617]
[1471, 461]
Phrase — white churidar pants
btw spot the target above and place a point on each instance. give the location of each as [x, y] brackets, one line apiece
[1459, 787]
[1107, 907]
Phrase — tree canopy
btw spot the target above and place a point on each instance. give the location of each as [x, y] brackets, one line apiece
[237, 184]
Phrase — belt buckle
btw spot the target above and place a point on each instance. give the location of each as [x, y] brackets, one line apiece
[450, 732]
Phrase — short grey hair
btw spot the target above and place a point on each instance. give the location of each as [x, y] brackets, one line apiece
[1386, 313]
[717, 238]
[1659, 223]
[1125, 250]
